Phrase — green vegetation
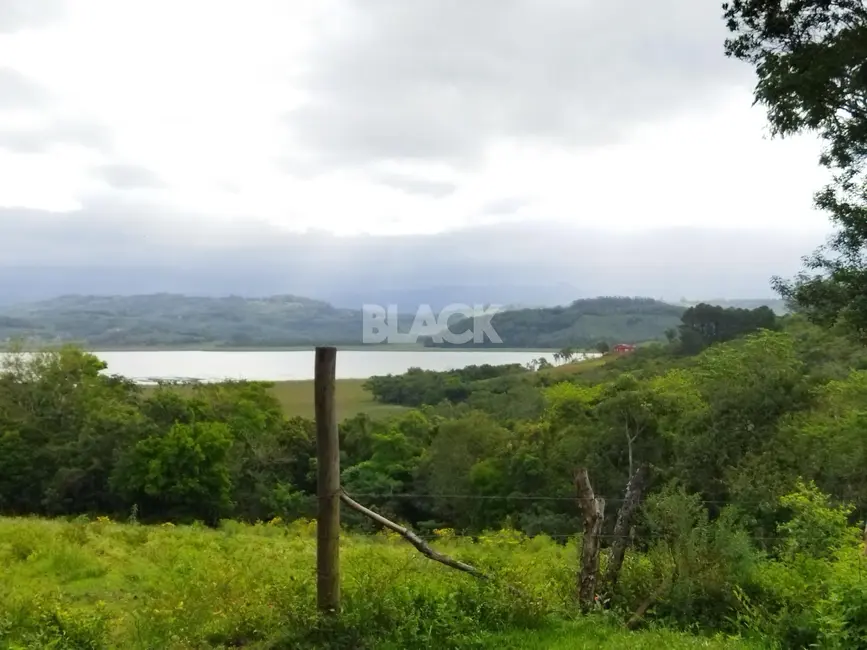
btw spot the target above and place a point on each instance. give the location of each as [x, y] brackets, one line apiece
[778, 306]
[703, 325]
[749, 532]
[598, 634]
[749, 526]
[810, 57]
[95, 584]
[582, 324]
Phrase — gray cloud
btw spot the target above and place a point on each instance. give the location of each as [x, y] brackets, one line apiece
[24, 14]
[17, 91]
[434, 79]
[111, 247]
[70, 132]
[508, 205]
[129, 176]
[416, 185]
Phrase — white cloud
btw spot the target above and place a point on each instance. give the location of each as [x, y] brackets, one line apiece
[396, 117]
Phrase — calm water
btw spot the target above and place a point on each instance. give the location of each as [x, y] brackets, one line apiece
[281, 366]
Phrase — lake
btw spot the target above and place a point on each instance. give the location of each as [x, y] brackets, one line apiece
[147, 366]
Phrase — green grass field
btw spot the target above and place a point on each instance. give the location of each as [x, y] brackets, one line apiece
[578, 367]
[100, 584]
[350, 397]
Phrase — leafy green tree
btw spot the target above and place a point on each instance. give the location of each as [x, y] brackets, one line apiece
[704, 325]
[62, 422]
[459, 463]
[272, 469]
[816, 528]
[827, 444]
[625, 407]
[810, 57]
[183, 473]
[748, 385]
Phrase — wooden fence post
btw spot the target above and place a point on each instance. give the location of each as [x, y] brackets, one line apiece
[328, 483]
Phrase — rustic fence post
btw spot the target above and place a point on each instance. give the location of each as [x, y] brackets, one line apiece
[593, 511]
[328, 483]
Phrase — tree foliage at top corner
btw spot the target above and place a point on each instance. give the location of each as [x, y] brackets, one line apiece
[810, 57]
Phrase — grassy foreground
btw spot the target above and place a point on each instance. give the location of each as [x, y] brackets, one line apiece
[99, 584]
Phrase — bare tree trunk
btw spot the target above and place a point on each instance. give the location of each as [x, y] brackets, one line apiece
[629, 441]
[634, 490]
[593, 511]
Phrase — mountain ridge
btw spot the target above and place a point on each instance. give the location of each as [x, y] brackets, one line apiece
[177, 321]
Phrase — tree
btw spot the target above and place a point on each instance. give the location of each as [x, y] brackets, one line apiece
[703, 325]
[811, 60]
[182, 473]
[602, 347]
[627, 409]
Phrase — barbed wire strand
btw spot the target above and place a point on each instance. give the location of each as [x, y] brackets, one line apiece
[522, 497]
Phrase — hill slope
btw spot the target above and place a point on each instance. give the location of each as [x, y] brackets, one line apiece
[584, 323]
[169, 320]
[176, 321]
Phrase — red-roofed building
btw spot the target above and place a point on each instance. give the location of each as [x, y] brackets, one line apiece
[623, 348]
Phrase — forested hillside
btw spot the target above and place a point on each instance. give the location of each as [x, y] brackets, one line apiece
[175, 321]
[168, 320]
[584, 323]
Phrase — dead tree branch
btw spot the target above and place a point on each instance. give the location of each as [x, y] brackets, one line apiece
[632, 500]
[638, 617]
[423, 547]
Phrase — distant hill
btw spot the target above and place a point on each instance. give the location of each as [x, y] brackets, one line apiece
[584, 323]
[440, 297]
[175, 321]
[170, 320]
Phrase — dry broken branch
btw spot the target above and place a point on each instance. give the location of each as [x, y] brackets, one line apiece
[638, 617]
[422, 546]
[631, 501]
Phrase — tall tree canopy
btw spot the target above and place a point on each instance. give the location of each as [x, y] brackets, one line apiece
[811, 60]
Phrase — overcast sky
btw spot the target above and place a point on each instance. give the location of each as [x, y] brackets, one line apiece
[207, 121]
